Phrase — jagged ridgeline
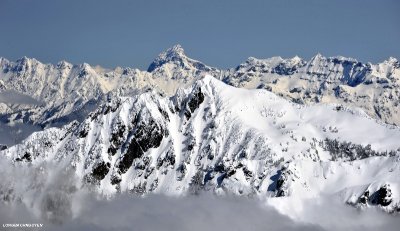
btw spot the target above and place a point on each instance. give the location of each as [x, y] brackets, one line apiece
[29, 102]
[215, 137]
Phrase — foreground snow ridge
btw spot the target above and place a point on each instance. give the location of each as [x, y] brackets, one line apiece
[212, 137]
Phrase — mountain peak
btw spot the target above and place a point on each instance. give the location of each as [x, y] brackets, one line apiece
[3, 60]
[173, 54]
[176, 49]
[318, 56]
[392, 61]
[25, 63]
[296, 58]
[63, 64]
[25, 60]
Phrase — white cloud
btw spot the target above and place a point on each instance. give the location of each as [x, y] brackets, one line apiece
[61, 205]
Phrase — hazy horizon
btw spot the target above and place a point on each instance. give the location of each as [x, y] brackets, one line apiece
[221, 34]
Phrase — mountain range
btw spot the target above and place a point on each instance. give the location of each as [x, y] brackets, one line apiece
[45, 95]
[276, 128]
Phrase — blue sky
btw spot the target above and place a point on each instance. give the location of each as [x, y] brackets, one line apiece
[220, 33]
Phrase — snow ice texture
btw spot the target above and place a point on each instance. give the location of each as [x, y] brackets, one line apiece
[286, 131]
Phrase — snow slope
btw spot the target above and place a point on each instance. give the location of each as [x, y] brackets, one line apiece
[214, 137]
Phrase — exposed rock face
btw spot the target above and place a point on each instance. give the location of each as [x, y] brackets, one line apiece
[382, 196]
[278, 186]
[146, 136]
[101, 170]
[196, 100]
[378, 197]
[364, 199]
[26, 157]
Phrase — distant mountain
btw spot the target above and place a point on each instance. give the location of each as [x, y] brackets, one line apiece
[45, 95]
[214, 137]
[374, 88]
[175, 60]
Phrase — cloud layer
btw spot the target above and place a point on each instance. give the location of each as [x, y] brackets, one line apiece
[158, 212]
[206, 212]
[55, 198]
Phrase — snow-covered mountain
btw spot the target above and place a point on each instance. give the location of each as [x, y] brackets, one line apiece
[215, 137]
[52, 95]
[374, 88]
[43, 95]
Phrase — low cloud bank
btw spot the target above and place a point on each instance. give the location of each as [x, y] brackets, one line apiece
[331, 213]
[157, 212]
[54, 197]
